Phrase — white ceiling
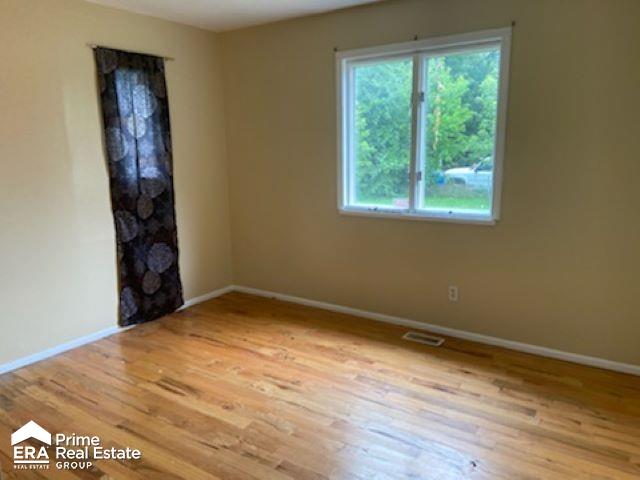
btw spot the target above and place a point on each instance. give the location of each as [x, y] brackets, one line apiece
[219, 15]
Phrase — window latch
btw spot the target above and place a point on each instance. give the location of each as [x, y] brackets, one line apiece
[418, 176]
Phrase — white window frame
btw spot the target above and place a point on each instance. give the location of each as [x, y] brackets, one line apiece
[345, 61]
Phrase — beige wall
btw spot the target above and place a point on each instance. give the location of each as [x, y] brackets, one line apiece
[57, 278]
[559, 270]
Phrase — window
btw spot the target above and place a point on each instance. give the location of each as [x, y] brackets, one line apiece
[422, 128]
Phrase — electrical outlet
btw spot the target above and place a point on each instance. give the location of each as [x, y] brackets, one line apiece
[453, 293]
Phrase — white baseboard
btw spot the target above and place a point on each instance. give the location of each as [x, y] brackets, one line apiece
[78, 342]
[452, 332]
[207, 296]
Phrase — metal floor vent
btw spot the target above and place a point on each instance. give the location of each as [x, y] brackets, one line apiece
[423, 338]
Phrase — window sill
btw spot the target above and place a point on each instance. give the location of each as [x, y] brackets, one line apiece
[429, 216]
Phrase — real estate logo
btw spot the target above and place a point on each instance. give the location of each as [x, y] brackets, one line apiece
[69, 452]
[28, 456]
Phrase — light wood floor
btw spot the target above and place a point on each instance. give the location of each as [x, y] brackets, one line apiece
[248, 388]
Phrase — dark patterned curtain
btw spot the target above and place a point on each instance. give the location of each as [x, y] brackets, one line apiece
[138, 143]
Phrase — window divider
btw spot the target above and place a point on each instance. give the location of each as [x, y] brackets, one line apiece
[420, 165]
[415, 134]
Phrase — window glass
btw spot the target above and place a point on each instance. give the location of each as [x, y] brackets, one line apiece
[458, 131]
[382, 133]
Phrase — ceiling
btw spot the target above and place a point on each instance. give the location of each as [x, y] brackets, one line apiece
[219, 15]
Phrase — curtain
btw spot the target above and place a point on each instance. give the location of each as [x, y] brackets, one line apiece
[137, 137]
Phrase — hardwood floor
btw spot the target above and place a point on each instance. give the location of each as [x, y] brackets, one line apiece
[242, 387]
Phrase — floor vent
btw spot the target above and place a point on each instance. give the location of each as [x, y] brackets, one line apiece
[423, 338]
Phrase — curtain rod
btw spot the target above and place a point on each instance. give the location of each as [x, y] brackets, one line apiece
[93, 46]
[415, 37]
